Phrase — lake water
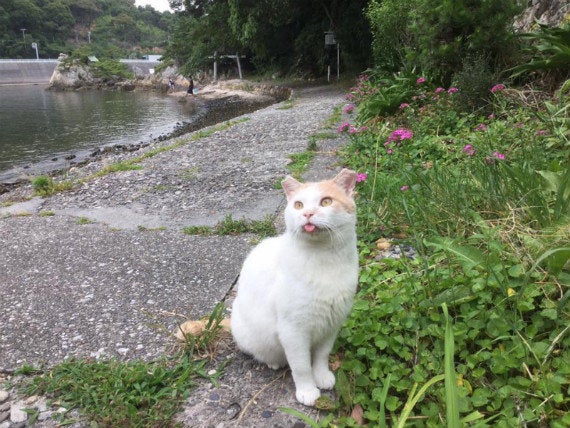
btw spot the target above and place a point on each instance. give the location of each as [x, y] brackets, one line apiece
[37, 125]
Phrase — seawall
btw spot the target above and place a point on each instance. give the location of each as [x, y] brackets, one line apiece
[15, 71]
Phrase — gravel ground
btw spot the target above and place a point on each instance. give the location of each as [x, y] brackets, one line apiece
[104, 270]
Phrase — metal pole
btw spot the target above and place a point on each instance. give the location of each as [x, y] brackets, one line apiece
[215, 66]
[239, 66]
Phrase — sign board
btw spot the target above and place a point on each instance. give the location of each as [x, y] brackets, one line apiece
[329, 38]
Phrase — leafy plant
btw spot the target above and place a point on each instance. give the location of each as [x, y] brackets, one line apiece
[550, 50]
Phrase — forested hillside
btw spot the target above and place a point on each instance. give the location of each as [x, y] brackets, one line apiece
[110, 27]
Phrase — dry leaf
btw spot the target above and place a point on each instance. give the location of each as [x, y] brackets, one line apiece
[194, 328]
[383, 244]
[358, 414]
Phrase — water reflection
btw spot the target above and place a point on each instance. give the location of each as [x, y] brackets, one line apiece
[36, 124]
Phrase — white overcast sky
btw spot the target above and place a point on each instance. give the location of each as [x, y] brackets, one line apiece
[160, 5]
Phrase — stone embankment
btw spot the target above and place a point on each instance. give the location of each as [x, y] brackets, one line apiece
[104, 270]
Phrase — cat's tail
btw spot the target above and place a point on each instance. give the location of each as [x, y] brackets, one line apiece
[198, 327]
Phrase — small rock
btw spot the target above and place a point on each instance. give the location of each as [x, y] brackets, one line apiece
[4, 395]
[17, 413]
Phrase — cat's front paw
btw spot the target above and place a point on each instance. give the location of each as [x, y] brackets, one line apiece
[307, 395]
[324, 379]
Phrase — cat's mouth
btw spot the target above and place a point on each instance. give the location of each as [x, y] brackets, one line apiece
[310, 228]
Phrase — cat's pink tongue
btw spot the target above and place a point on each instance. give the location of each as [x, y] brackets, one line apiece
[310, 228]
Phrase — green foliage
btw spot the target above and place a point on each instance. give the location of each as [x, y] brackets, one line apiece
[488, 213]
[550, 53]
[61, 26]
[111, 69]
[276, 36]
[390, 34]
[446, 32]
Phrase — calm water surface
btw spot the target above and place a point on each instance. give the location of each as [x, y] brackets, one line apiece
[37, 125]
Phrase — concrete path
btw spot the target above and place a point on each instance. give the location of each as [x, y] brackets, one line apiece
[105, 270]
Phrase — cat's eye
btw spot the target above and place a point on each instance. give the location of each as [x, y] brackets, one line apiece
[298, 205]
[326, 202]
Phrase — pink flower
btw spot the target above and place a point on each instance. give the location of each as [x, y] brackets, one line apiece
[361, 176]
[499, 155]
[438, 90]
[404, 188]
[481, 127]
[399, 135]
[353, 130]
[349, 108]
[491, 116]
[452, 90]
[498, 87]
[344, 126]
[349, 97]
[404, 105]
[541, 132]
[469, 150]
[389, 151]
[420, 80]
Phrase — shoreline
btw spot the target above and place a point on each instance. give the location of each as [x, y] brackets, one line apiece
[218, 102]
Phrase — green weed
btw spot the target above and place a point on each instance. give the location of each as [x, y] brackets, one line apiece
[46, 186]
[300, 162]
[84, 220]
[230, 226]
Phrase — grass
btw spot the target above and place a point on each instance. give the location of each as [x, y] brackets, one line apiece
[46, 186]
[114, 393]
[300, 162]
[231, 226]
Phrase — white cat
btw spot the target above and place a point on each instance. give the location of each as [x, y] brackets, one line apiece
[295, 290]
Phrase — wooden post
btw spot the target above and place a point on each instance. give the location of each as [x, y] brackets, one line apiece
[215, 66]
[337, 60]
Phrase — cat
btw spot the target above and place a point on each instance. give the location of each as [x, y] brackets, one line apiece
[295, 290]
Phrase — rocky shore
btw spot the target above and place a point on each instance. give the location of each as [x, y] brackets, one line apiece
[216, 102]
[104, 270]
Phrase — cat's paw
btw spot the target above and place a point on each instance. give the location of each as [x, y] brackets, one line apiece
[307, 395]
[324, 378]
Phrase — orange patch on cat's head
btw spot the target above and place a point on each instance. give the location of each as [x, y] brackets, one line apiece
[333, 190]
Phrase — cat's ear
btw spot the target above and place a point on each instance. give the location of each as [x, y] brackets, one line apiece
[346, 179]
[290, 185]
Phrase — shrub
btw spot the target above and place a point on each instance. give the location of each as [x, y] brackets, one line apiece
[447, 32]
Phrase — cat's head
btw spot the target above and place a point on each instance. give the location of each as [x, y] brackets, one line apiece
[322, 209]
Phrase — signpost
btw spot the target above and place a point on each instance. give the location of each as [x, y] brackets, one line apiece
[330, 40]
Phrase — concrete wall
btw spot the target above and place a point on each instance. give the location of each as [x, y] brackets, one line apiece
[13, 71]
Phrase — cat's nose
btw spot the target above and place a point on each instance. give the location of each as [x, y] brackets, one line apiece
[308, 215]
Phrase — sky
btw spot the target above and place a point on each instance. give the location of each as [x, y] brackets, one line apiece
[160, 5]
